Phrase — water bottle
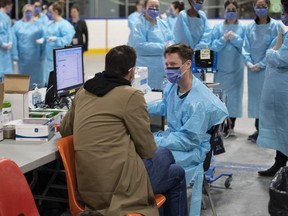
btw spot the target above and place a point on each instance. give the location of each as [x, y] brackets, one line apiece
[36, 96]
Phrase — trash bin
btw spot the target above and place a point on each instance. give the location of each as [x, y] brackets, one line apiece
[278, 204]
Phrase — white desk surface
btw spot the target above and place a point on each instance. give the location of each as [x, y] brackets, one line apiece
[29, 155]
[153, 96]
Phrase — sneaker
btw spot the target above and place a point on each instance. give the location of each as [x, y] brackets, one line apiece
[253, 137]
[232, 132]
[270, 172]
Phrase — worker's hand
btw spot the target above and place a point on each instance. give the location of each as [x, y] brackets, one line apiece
[52, 38]
[256, 68]
[7, 45]
[279, 40]
[40, 41]
[249, 65]
[231, 35]
[226, 36]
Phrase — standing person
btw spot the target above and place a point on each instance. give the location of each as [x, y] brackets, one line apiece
[133, 17]
[192, 27]
[81, 35]
[175, 8]
[38, 15]
[273, 114]
[59, 33]
[150, 37]
[5, 37]
[259, 37]
[110, 143]
[191, 110]
[28, 47]
[227, 41]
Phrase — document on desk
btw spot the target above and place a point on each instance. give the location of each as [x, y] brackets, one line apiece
[153, 96]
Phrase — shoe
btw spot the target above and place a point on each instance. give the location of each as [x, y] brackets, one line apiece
[253, 137]
[270, 172]
[232, 132]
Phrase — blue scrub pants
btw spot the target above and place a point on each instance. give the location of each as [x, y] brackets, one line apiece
[168, 178]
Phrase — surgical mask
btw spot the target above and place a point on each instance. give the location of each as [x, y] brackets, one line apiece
[174, 74]
[231, 15]
[171, 12]
[143, 11]
[284, 20]
[153, 13]
[37, 9]
[198, 6]
[261, 12]
[49, 15]
[28, 15]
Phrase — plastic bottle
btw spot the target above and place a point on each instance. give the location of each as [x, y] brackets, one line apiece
[6, 111]
[36, 96]
[164, 83]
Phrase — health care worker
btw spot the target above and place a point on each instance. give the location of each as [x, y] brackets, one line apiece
[58, 34]
[273, 131]
[28, 48]
[259, 37]
[5, 38]
[175, 8]
[149, 38]
[133, 17]
[191, 110]
[227, 41]
[38, 15]
[192, 26]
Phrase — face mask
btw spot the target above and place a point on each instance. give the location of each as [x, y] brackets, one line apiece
[284, 20]
[49, 15]
[174, 74]
[153, 13]
[231, 15]
[261, 12]
[143, 11]
[198, 6]
[171, 12]
[37, 10]
[28, 15]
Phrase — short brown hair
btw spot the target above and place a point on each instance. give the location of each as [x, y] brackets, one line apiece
[185, 52]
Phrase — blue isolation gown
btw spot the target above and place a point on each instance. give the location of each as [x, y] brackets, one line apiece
[64, 32]
[29, 54]
[149, 42]
[273, 131]
[43, 19]
[189, 119]
[230, 65]
[5, 37]
[193, 31]
[171, 20]
[258, 38]
[132, 20]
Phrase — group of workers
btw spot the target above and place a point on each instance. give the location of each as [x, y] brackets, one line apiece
[29, 43]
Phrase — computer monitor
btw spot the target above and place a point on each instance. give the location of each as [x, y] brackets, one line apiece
[69, 71]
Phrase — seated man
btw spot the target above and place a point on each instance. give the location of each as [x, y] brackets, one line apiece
[191, 110]
[111, 130]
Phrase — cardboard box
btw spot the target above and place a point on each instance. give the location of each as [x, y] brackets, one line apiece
[16, 87]
[1, 102]
[35, 129]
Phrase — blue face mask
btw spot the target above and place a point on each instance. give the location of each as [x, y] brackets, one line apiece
[37, 10]
[28, 15]
[198, 6]
[143, 11]
[153, 13]
[173, 74]
[49, 15]
[261, 12]
[231, 15]
[284, 20]
[171, 12]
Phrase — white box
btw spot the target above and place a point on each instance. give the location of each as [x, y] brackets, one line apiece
[35, 129]
[19, 105]
[141, 79]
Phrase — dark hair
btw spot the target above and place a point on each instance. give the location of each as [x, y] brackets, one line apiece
[185, 52]
[228, 2]
[267, 2]
[4, 3]
[120, 59]
[75, 6]
[285, 5]
[178, 5]
[58, 6]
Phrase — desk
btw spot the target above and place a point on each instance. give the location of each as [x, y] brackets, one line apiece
[29, 155]
[153, 96]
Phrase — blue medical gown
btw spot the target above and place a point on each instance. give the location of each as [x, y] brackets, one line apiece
[274, 101]
[64, 32]
[230, 65]
[149, 42]
[43, 19]
[132, 20]
[188, 120]
[193, 31]
[5, 37]
[258, 38]
[29, 54]
[171, 20]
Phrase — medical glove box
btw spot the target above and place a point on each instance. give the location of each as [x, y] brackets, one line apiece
[16, 87]
[141, 79]
[1, 102]
[35, 129]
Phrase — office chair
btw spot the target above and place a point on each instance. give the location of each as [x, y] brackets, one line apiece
[15, 197]
[66, 149]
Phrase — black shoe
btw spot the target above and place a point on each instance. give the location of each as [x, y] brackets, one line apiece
[253, 137]
[270, 172]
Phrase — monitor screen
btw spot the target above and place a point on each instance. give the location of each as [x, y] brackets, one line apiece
[68, 67]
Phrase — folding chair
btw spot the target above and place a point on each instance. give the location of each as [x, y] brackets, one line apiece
[66, 149]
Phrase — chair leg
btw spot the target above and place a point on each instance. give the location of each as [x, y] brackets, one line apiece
[206, 188]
